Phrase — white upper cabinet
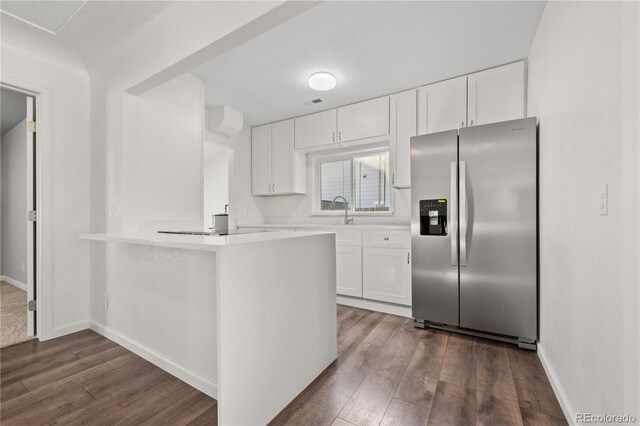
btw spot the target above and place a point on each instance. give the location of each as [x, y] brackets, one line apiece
[442, 106]
[402, 128]
[277, 169]
[497, 94]
[316, 130]
[363, 120]
[261, 160]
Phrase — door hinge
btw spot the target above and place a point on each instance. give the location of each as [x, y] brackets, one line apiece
[31, 126]
[31, 305]
[32, 216]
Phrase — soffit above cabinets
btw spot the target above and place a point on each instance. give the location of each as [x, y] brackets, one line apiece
[49, 16]
[372, 48]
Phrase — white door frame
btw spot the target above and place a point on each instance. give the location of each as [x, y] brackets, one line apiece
[43, 185]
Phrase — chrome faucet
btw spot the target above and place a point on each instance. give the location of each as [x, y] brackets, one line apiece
[347, 219]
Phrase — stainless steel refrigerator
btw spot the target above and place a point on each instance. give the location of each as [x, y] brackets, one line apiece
[474, 230]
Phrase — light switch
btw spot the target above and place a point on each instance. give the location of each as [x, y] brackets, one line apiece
[603, 199]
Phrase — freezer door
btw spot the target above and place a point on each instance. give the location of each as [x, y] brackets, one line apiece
[434, 271]
[498, 228]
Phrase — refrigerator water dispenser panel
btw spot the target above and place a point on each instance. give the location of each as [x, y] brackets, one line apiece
[433, 217]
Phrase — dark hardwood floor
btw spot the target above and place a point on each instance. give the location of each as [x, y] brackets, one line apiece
[387, 373]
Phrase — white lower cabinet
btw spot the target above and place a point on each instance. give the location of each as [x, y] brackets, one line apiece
[386, 274]
[349, 271]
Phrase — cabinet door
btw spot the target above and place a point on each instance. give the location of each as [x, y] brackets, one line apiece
[315, 130]
[402, 128]
[282, 157]
[261, 160]
[386, 275]
[442, 106]
[349, 271]
[497, 94]
[363, 120]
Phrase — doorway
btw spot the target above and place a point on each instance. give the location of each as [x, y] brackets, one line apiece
[17, 217]
[217, 160]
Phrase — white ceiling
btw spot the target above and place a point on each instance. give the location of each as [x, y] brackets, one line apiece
[13, 109]
[49, 16]
[373, 48]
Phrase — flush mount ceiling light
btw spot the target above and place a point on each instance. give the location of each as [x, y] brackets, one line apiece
[322, 81]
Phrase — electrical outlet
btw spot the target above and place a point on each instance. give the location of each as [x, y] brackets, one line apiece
[106, 302]
[603, 200]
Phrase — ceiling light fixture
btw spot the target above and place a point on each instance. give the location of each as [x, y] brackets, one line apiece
[322, 81]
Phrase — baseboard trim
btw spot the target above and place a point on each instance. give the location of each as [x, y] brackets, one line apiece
[197, 381]
[372, 305]
[557, 387]
[67, 329]
[15, 283]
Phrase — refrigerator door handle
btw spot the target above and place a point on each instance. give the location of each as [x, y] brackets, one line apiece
[464, 210]
[453, 214]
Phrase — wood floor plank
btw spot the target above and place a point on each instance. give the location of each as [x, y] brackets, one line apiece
[341, 422]
[352, 336]
[54, 374]
[419, 382]
[37, 347]
[11, 391]
[535, 396]
[114, 406]
[32, 369]
[12, 361]
[495, 410]
[370, 401]
[401, 413]
[119, 377]
[97, 347]
[492, 356]
[208, 418]
[453, 405]
[459, 363]
[495, 383]
[184, 411]
[533, 418]
[50, 408]
[14, 406]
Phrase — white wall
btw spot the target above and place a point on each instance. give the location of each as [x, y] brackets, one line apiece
[14, 202]
[215, 181]
[163, 157]
[583, 86]
[34, 59]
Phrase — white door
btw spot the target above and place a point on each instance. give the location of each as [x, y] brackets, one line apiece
[349, 270]
[363, 120]
[282, 151]
[442, 106]
[497, 94]
[402, 128]
[386, 275]
[261, 160]
[315, 130]
[31, 206]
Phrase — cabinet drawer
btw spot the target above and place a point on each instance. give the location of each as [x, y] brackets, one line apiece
[349, 238]
[390, 239]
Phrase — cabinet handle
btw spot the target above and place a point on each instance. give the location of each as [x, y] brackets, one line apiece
[408, 257]
[386, 238]
[462, 124]
[333, 135]
[340, 136]
[273, 187]
[472, 122]
[393, 178]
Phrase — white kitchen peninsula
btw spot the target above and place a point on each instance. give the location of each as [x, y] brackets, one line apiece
[249, 319]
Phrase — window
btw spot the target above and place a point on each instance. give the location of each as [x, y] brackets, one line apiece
[361, 179]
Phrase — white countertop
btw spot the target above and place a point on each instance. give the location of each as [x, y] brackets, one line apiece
[326, 226]
[196, 242]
